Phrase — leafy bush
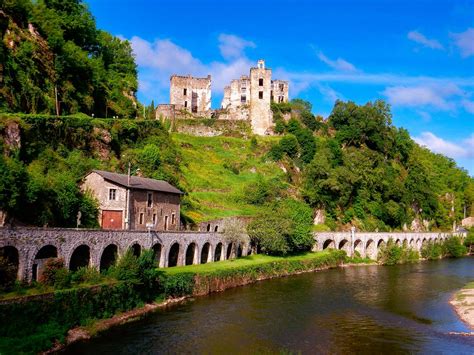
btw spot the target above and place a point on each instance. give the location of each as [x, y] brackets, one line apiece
[392, 254]
[284, 228]
[454, 248]
[289, 145]
[469, 241]
[86, 275]
[178, 285]
[53, 267]
[432, 250]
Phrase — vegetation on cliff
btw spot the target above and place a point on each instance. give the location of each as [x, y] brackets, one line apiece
[54, 59]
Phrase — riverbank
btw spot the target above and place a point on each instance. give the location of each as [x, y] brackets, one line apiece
[463, 303]
[37, 323]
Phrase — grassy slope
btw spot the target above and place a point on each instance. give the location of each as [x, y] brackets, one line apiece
[216, 191]
[251, 260]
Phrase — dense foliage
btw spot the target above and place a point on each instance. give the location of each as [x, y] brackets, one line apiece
[284, 227]
[39, 181]
[51, 51]
[392, 254]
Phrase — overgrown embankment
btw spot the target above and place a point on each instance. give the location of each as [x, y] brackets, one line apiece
[36, 323]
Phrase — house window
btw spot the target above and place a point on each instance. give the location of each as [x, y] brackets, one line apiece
[140, 220]
[173, 219]
[112, 194]
[149, 199]
[185, 91]
[260, 82]
[154, 219]
[260, 95]
[243, 98]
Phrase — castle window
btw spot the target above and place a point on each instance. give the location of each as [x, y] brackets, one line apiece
[149, 200]
[112, 194]
[282, 87]
[260, 82]
[260, 94]
[141, 218]
[173, 221]
[243, 98]
[185, 91]
[154, 218]
[185, 104]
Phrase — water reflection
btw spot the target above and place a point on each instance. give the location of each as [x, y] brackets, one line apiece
[366, 309]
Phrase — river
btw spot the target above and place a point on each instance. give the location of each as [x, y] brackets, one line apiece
[366, 309]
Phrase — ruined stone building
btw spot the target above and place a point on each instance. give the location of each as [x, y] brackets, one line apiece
[187, 93]
[246, 98]
[250, 97]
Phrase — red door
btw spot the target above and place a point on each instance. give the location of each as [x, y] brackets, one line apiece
[112, 219]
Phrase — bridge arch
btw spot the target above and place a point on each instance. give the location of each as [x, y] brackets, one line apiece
[136, 249]
[329, 243]
[359, 247]
[345, 245]
[191, 254]
[80, 257]
[108, 257]
[230, 251]
[218, 252]
[46, 252]
[173, 255]
[370, 249]
[206, 253]
[11, 265]
[157, 250]
[398, 243]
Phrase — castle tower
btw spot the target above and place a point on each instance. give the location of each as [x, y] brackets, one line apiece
[191, 94]
[260, 96]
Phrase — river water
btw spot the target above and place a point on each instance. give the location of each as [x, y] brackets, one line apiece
[366, 309]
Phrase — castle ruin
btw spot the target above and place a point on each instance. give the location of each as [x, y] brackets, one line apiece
[248, 98]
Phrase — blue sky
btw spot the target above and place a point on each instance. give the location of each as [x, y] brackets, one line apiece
[417, 55]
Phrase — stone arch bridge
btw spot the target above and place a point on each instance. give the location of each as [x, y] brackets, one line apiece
[29, 248]
[368, 244]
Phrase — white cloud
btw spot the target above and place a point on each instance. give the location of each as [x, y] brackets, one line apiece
[445, 147]
[434, 96]
[329, 93]
[468, 105]
[338, 64]
[232, 47]
[422, 39]
[159, 59]
[465, 42]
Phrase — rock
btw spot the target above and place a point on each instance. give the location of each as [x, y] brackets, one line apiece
[12, 136]
[319, 217]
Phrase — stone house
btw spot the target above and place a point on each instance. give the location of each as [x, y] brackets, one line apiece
[146, 203]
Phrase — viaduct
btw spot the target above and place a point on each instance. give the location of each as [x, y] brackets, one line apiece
[29, 248]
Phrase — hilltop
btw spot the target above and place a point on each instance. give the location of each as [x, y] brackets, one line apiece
[355, 168]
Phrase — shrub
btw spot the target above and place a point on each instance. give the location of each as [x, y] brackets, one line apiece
[178, 285]
[87, 275]
[276, 152]
[289, 145]
[454, 248]
[284, 228]
[50, 269]
[431, 251]
[469, 241]
[392, 254]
